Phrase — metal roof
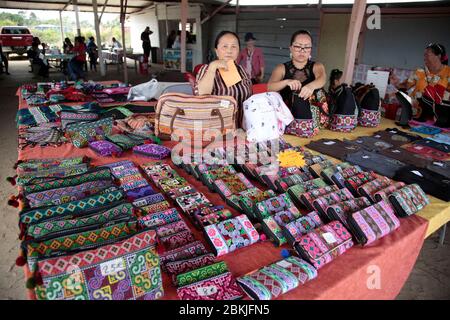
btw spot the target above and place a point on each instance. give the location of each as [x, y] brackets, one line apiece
[112, 6]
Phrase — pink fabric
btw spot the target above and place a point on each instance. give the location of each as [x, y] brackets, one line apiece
[257, 61]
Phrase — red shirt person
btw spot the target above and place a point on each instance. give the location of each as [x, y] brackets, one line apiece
[252, 59]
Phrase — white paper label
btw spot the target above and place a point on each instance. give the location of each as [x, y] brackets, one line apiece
[377, 136]
[284, 264]
[112, 267]
[329, 143]
[417, 173]
[224, 103]
[418, 147]
[329, 238]
[440, 164]
[396, 151]
[206, 291]
[365, 157]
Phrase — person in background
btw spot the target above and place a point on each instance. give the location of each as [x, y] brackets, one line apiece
[252, 59]
[67, 45]
[335, 80]
[209, 80]
[116, 45]
[146, 44]
[77, 62]
[429, 87]
[300, 75]
[177, 41]
[171, 39]
[4, 60]
[92, 51]
[35, 55]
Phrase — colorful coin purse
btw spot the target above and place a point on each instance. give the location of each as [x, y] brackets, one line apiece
[373, 223]
[82, 133]
[408, 200]
[153, 151]
[231, 234]
[125, 270]
[105, 148]
[276, 279]
[324, 244]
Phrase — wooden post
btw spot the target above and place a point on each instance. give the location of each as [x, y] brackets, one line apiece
[77, 18]
[358, 12]
[98, 38]
[184, 14]
[123, 10]
[237, 18]
[61, 26]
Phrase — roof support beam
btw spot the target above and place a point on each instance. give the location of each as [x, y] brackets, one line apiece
[123, 11]
[99, 38]
[215, 11]
[184, 15]
[103, 10]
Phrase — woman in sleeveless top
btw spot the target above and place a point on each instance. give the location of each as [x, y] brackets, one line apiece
[301, 76]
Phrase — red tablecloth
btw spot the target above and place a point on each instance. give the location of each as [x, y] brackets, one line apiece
[391, 259]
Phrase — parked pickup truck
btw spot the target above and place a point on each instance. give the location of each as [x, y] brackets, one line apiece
[15, 39]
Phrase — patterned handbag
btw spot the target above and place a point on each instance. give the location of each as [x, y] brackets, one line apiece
[276, 279]
[296, 191]
[92, 175]
[354, 182]
[105, 148]
[340, 176]
[231, 234]
[300, 226]
[232, 185]
[248, 200]
[368, 189]
[322, 203]
[343, 110]
[284, 183]
[208, 177]
[34, 250]
[67, 194]
[304, 128]
[82, 133]
[153, 151]
[383, 194]
[373, 223]
[71, 209]
[221, 287]
[368, 98]
[324, 244]
[191, 250]
[125, 270]
[121, 212]
[408, 200]
[328, 172]
[273, 231]
[266, 208]
[181, 266]
[161, 218]
[307, 198]
[340, 211]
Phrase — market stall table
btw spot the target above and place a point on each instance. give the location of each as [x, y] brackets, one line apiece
[378, 271]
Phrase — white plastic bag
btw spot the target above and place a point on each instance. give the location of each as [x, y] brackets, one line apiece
[144, 91]
[265, 117]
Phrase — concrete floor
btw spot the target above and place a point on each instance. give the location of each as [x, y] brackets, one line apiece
[430, 278]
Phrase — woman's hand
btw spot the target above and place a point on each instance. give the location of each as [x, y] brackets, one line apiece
[295, 85]
[306, 92]
[219, 64]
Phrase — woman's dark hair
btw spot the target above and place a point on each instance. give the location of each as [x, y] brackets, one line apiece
[335, 74]
[299, 32]
[223, 33]
[439, 49]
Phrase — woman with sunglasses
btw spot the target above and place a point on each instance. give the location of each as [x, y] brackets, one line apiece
[300, 76]
[430, 87]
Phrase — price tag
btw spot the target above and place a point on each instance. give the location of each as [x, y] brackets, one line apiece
[417, 173]
[329, 143]
[365, 157]
[112, 267]
[224, 103]
[206, 291]
[440, 164]
[396, 151]
[329, 238]
[284, 264]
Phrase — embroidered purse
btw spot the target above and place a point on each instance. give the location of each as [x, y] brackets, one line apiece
[340, 176]
[125, 270]
[296, 191]
[231, 234]
[153, 151]
[383, 194]
[147, 200]
[191, 250]
[232, 185]
[408, 200]
[221, 287]
[300, 226]
[177, 240]
[354, 182]
[369, 188]
[324, 244]
[307, 198]
[328, 172]
[193, 201]
[340, 211]
[156, 207]
[82, 133]
[373, 223]
[276, 279]
[105, 148]
[202, 273]
[248, 200]
[181, 266]
[161, 218]
[266, 208]
[322, 203]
